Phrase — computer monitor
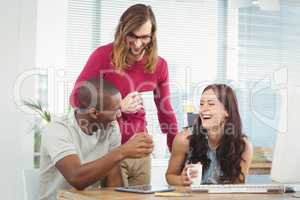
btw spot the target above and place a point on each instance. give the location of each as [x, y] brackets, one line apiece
[286, 157]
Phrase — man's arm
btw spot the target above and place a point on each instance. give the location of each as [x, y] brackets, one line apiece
[82, 175]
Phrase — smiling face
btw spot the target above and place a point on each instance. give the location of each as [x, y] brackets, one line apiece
[139, 39]
[212, 112]
[135, 39]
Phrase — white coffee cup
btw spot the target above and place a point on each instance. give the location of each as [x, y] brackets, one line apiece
[148, 102]
[196, 181]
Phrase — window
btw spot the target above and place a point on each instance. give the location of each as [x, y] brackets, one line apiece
[203, 42]
[192, 35]
[264, 51]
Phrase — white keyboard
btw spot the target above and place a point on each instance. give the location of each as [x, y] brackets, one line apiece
[240, 188]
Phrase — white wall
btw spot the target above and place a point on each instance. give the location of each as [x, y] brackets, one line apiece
[17, 50]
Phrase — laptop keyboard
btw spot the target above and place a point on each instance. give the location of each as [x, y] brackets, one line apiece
[240, 188]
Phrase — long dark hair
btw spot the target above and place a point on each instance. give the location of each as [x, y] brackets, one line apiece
[232, 144]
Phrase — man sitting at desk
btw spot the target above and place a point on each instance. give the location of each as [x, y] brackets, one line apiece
[85, 150]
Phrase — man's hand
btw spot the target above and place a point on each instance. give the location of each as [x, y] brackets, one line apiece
[140, 145]
[132, 103]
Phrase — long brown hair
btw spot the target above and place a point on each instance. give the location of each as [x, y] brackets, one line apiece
[133, 18]
[232, 144]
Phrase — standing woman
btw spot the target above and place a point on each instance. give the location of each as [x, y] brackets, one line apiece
[216, 141]
[131, 63]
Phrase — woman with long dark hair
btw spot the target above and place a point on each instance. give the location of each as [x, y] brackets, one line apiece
[216, 141]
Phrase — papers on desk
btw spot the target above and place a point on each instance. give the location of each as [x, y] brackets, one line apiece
[172, 194]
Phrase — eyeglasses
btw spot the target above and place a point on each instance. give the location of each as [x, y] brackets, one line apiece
[133, 38]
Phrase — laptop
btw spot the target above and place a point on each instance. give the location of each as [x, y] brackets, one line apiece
[145, 189]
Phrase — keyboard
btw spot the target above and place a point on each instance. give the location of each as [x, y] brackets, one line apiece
[240, 188]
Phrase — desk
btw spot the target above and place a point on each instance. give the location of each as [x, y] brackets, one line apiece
[110, 194]
[259, 168]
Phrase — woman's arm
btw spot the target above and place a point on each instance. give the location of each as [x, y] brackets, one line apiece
[247, 157]
[175, 175]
